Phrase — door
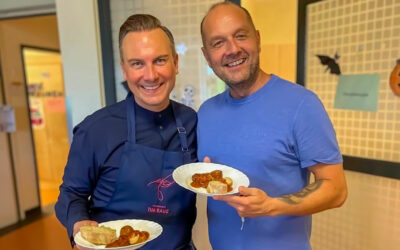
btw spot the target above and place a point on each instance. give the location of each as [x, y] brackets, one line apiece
[45, 87]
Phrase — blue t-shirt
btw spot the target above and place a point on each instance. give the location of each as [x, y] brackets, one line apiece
[272, 136]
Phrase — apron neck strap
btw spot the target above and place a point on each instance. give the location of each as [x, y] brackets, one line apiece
[182, 133]
[130, 116]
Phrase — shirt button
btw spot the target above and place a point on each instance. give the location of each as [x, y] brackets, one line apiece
[161, 127]
[159, 115]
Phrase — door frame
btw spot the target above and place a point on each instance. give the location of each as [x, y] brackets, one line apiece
[22, 47]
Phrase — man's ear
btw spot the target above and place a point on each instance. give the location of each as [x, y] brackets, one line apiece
[258, 40]
[176, 60]
[205, 55]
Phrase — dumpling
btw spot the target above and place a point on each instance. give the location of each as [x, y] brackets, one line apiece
[217, 187]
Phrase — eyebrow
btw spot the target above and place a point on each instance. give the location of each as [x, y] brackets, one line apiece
[236, 31]
[134, 60]
[162, 56]
[140, 60]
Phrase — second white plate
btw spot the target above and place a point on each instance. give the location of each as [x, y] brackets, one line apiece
[153, 228]
[183, 176]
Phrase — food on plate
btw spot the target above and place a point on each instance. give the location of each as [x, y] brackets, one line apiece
[98, 235]
[126, 230]
[135, 236]
[123, 240]
[129, 236]
[138, 237]
[216, 187]
[214, 182]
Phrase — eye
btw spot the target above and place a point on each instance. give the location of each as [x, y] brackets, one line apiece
[217, 44]
[136, 64]
[241, 36]
[160, 61]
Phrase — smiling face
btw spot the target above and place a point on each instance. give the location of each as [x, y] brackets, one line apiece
[231, 46]
[149, 67]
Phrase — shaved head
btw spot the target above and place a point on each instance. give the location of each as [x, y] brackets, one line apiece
[215, 6]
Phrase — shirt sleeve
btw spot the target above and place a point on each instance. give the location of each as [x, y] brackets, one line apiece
[78, 182]
[314, 134]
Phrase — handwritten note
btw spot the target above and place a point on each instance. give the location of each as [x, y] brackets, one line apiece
[357, 92]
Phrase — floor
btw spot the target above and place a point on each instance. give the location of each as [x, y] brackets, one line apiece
[44, 234]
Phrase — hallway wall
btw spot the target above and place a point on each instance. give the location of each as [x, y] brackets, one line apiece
[81, 55]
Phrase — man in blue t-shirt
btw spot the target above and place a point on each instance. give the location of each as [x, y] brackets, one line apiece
[274, 131]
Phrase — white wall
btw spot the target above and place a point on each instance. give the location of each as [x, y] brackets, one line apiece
[80, 51]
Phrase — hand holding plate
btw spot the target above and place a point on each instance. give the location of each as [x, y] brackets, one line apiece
[252, 202]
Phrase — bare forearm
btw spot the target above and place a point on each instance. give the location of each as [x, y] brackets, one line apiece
[316, 197]
[328, 191]
[296, 198]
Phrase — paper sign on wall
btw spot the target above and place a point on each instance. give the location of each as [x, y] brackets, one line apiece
[7, 119]
[357, 92]
[36, 112]
[55, 104]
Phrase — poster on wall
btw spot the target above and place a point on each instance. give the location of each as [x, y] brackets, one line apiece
[357, 92]
[7, 119]
[36, 113]
[55, 104]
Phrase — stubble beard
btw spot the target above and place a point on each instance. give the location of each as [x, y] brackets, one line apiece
[246, 82]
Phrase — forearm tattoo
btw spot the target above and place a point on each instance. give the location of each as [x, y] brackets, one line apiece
[297, 198]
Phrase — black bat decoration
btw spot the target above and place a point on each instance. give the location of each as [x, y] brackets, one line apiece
[331, 63]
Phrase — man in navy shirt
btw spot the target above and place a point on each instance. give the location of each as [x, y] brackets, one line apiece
[122, 157]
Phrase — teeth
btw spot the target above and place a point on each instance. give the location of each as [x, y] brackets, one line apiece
[236, 63]
[151, 87]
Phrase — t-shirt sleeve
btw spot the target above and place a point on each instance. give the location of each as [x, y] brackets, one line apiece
[78, 182]
[314, 134]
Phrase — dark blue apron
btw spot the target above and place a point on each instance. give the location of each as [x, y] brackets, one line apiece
[146, 190]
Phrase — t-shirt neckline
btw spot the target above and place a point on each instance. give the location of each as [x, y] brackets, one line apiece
[254, 95]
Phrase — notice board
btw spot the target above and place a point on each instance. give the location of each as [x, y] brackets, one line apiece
[363, 37]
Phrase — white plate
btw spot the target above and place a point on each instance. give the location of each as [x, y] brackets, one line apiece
[153, 228]
[183, 176]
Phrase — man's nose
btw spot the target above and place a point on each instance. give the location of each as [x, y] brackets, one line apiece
[150, 73]
[233, 47]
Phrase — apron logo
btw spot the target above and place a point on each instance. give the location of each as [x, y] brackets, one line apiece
[158, 209]
[162, 183]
